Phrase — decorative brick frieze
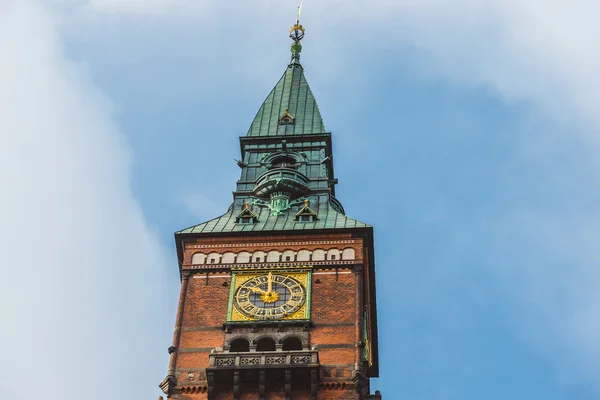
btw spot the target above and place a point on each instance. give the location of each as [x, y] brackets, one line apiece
[221, 266]
[272, 244]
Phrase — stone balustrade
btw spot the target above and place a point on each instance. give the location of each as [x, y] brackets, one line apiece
[297, 358]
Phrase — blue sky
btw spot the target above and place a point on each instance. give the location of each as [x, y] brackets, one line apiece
[465, 132]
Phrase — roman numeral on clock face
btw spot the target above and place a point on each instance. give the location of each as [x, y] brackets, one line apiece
[256, 311]
[296, 289]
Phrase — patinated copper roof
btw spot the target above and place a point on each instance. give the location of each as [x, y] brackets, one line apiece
[327, 218]
[293, 96]
[286, 165]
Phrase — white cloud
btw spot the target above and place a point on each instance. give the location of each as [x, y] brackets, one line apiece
[538, 51]
[543, 54]
[147, 7]
[82, 272]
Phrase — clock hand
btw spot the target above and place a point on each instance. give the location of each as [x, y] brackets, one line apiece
[270, 288]
[257, 290]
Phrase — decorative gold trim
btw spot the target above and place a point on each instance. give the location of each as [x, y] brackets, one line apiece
[301, 274]
[278, 267]
[297, 27]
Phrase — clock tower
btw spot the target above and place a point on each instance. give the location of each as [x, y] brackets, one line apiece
[277, 296]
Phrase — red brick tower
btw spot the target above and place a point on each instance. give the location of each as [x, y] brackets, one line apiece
[278, 294]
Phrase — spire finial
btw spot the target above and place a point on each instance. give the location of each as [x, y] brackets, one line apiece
[297, 34]
[299, 12]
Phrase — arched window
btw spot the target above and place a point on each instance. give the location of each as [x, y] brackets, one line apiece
[228, 258]
[318, 255]
[303, 255]
[213, 258]
[265, 344]
[333, 254]
[284, 162]
[243, 257]
[239, 346]
[198, 258]
[288, 255]
[292, 343]
[273, 256]
[259, 256]
[348, 254]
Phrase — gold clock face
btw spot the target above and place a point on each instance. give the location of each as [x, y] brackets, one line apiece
[270, 296]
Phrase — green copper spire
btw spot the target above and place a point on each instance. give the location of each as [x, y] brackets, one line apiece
[290, 108]
[287, 182]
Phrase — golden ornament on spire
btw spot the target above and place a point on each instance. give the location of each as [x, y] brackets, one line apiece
[297, 31]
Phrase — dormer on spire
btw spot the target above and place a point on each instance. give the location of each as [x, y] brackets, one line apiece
[286, 118]
[247, 216]
[306, 214]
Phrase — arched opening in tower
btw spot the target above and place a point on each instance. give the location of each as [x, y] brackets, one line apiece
[265, 344]
[292, 343]
[239, 346]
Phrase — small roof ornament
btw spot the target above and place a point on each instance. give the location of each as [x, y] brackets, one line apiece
[307, 212]
[247, 215]
[286, 118]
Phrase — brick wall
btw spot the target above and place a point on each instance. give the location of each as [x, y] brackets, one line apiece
[333, 314]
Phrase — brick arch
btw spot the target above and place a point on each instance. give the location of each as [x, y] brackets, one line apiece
[318, 255]
[334, 254]
[213, 258]
[273, 256]
[198, 258]
[194, 389]
[243, 257]
[288, 253]
[348, 254]
[259, 255]
[303, 255]
[228, 257]
[333, 386]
